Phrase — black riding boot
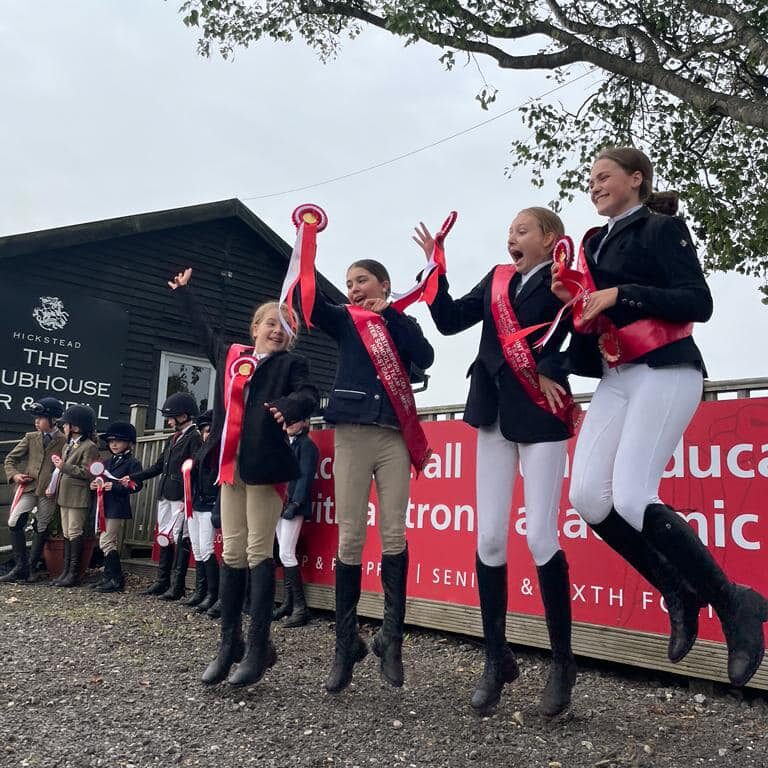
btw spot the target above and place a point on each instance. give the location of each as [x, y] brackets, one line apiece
[682, 602]
[201, 586]
[163, 578]
[556, 596]
[114, 581]
[299, 612]
[350, 647]
[214, 612]
[20, 570]
[741, 610]
[72, 579]
[232, 589]
[500, 662]
[178, 584]
[388, 641]
[211, 566]
[36, 562]
[67, 557]
[286, 607]
[260, 653]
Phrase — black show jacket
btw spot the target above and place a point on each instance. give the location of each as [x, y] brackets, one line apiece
[358, 396]
[117, 503]
[175, 453]
[494, 390]
[300, 489]
[651, 259]
[283, 379]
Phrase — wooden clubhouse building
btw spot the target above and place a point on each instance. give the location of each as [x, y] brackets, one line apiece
[86, 314]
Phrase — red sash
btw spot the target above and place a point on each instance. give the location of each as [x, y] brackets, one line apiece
[625, 344]
[238, 371]
[516, 351]
[391, 371]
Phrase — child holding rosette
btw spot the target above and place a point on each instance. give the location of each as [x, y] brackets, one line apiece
[520, 404]
[375, 437]
[638, 289]
[261, 388]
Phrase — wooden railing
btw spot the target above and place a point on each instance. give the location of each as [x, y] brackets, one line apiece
[138, 533]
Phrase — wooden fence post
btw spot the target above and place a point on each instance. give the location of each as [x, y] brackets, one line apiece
[138, 418]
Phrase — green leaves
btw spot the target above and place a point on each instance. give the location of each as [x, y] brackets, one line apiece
[685, 80]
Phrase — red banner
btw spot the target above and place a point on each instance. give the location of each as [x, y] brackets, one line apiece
[720, 471]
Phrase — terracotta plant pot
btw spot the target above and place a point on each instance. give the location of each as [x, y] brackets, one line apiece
[53, 553]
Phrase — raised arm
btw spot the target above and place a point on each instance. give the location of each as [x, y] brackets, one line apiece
[208, 340]
[451, 315]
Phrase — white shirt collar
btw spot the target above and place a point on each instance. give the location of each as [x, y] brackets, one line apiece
[624, 215]
[537, 268]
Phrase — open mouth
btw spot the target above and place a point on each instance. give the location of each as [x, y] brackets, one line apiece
[358, 300]
[516, 255]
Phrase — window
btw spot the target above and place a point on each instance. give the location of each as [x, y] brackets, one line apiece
[181, 373]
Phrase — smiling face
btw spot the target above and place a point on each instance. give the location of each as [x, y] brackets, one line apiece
[527, 243]
[612, 189]
[362, 285]
[268, 334]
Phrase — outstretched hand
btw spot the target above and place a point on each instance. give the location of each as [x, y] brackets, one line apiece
[423, 238]
[182, 278]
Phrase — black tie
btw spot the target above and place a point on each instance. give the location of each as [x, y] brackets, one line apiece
[46, 439]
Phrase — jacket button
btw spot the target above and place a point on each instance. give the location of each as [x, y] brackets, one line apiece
[623, 301]
[377, 397]
[631, 303]
[639, 303]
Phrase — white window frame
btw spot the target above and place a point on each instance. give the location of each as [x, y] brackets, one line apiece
[162, 383]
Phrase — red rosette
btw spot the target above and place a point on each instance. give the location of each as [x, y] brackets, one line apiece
[563, 254]
[610, 349]
[309, 213]
[442, 233]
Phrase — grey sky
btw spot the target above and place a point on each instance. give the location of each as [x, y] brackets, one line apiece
[109, 111]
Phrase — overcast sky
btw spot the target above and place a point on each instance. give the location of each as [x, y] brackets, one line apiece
[109, 111]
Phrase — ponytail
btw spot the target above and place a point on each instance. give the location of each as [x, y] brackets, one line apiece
[663, 202]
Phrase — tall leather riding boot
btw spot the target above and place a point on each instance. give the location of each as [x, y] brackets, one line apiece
[211, 566]
[350, 647]
[113, 572]
[20, 570]
[214, 612]
[67, 557]
[163, 578]
[231, 592]
[299, 615]
[178, 585]
[741, 610]
[247, 598]
[388, 641]
[682, 602]
[286, 607]
[260, 653]
[36, 562]
[72, 579]
[201, 586]
[556, 595]
[500, 663]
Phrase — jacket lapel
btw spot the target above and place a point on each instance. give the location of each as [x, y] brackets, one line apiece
[530, 286]
[621, 225]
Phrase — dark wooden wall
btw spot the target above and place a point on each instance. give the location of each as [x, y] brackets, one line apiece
[133, 271]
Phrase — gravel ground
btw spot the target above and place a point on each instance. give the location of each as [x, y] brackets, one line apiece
[112, 680]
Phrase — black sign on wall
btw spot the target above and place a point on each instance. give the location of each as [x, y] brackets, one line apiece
[59, 342]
